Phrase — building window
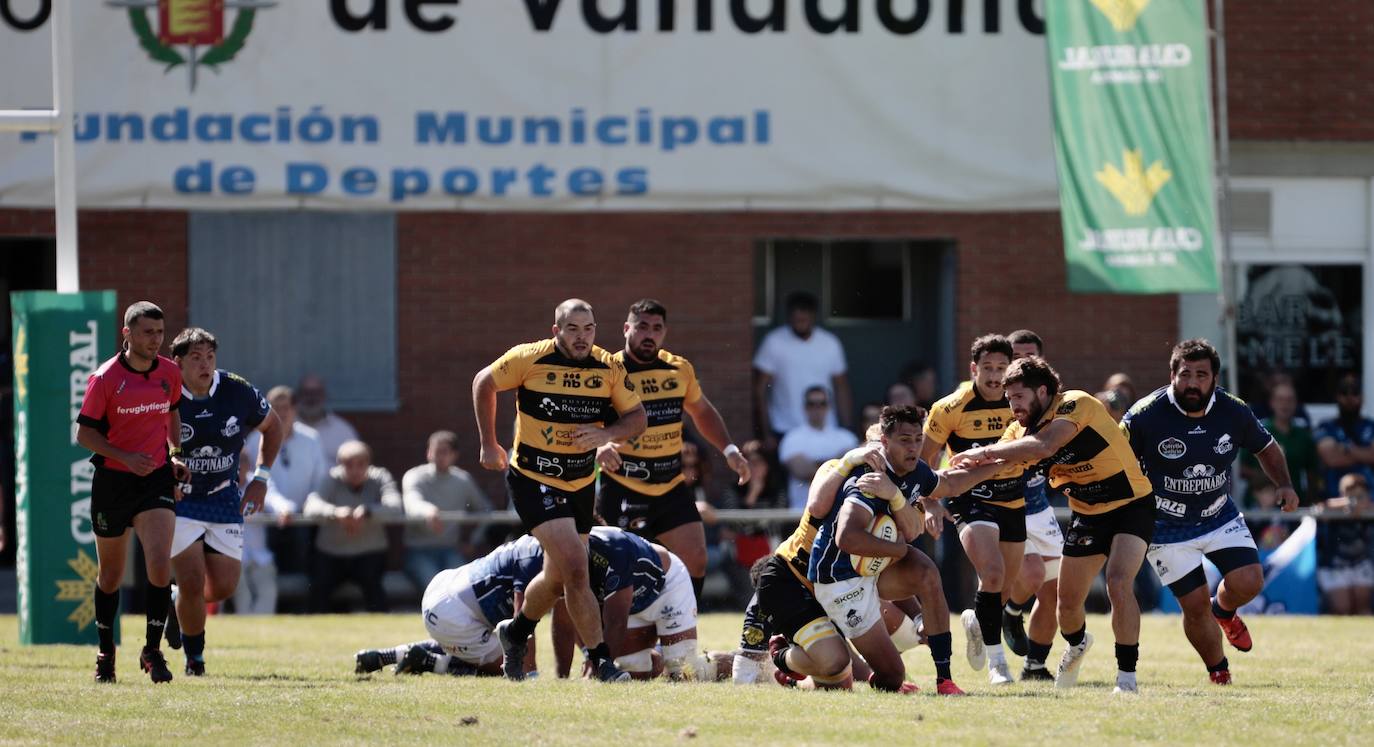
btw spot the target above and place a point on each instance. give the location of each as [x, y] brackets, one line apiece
[854, 279]
[295, 293]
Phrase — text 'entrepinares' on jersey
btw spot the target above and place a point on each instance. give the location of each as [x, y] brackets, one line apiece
[651, 463]
[555, 395]
[1096, 468]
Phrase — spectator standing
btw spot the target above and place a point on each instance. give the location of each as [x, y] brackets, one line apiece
[809, 445]
[1115, 403]
[1344, 444]
[1345, 570]
[351, 545]
[791, 359]
[435, 486]
[1122, 384]
[313, 410]
[1299, 449]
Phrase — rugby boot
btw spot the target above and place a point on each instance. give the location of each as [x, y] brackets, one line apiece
[1236, 633]
[1014, 633]
[1125, 684]
[418, 661]
[607, 671]
[1038, 674]
[367, 661]
[105, 667]
[195, 667]
[973, 637]
[1222, 677]
[155, 664]
[1071, 662]
[947, 687]
[999, 673]
[513, 665]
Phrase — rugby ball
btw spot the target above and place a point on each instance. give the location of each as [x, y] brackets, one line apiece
[883, 527]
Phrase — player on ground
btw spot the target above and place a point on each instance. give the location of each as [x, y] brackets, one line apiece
[565, 385]
[460, 609]
[642, 487]
[850, 599]
[1037, 585]
[129, 419]
[1089, 459]
[1187, 435]
[218, 410]
[991, 516]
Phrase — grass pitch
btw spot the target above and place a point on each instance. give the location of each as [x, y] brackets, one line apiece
[289, 680]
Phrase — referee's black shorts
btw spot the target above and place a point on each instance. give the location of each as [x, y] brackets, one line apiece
[118, 496]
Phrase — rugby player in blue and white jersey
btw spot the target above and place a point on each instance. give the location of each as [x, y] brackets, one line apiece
[218, 410]
[460, 609]
[1187, 436]
[852, 600]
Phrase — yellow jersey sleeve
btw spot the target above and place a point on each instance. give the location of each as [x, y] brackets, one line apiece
[623, 395]
[693, 394]
[939, 422]
[1072, 409]
[510, 369]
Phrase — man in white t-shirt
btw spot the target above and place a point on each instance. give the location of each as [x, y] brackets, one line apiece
[299, 469]
[313, 410]
[805, 448]
[793, 358]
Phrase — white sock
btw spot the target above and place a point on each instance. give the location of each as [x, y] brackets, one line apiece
[441, 662]
[995, 654]
[1125, 677]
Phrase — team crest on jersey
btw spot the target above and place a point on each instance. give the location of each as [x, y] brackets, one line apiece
[231, 427]
[594, 382]
[187, 432]
[1224, 444]
[1172, 448]
[753, 635]
[166, 388]
[550, 378]
[1066, 407]
[670, 385]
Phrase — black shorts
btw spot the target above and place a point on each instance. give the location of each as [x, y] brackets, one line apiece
[646, 515]
[1092, 534]
[117, 497]
[1011, 522]
[785, 604]
[537, 503]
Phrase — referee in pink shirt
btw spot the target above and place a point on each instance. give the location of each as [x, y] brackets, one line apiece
[129, 419]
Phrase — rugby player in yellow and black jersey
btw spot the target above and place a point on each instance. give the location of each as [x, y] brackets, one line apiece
[1089, 459]
[565, 387]
[991, 518]
[642, 488]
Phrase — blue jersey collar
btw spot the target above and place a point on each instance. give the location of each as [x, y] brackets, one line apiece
[214, 384]
[1169, 391]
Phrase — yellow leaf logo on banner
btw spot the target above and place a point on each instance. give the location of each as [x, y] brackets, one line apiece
[1133, 186]
[1122, 13]
[80, 589]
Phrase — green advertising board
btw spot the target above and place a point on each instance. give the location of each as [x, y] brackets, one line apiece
[59, 341]
[1133, 143]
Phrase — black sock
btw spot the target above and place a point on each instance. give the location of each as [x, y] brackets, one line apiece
[1039, 653]
[521, 628]
[1126, 656]
[106, 608]
[1020, 608]
[158, 600]
[1221, 612]
[1220, 666]
[697, 583]
[941, 647]
[1076, 638]
[780, 661]
[458, 668]
[599, 653]
[195, 645]
[987, 607]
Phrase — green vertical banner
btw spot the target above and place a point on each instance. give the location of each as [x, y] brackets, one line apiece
[1133, 141]
[59, 341]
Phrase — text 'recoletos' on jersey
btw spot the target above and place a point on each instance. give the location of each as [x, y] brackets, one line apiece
[651, 463]
[555, 394]
[619, 560]
[829, 563]
[1096, 468]
[1188, 460]
[130, 408]
[964, 420]
[213, 430]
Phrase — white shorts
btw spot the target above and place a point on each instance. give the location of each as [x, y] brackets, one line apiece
[226, 538]
[675, 610]
[1339, 579]
[1177, 559]
[853, 605]
[1043, 536]
[453, 623]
